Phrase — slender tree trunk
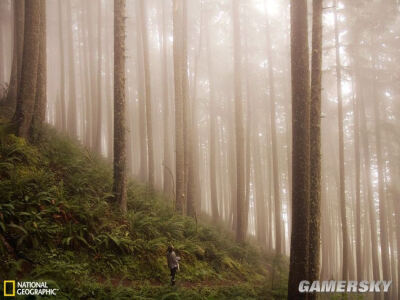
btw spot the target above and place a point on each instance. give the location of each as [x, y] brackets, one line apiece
[315, 147]
[239, 132]
[99, 111]
[39, 113]
[232, 172]
[392, 241]
[62, 68]
[167, 186]
[279, 240]
[72, 109]
[109, 89]
[185, 97]
[301, 147]
[93, 101]
[269, 207]
[179, 142]
[370, 200]
[212, 135]
[260, 197]
[196, 186]
[119, 187]
[15, 78]
[381, 189]
[342, 187]
[30, 59]
[147, 83]
[143, 170]
[396, 205]
[187, 120]
[358, 187]
[87, 124]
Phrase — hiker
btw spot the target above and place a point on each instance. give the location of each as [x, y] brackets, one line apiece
[173, 263]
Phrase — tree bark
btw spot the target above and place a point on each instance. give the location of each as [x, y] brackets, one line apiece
[342, 187]
[381, 189]
[187, 120]
[212, 132]
[30, 59]
[99, 110]
[370, 200]
[259, 197]
[279, 239]
[62, 68]
[301, 147]
[167, 186]
[18, 47]
[72, 120]
[143, 169]
[119, 187]
[358, 186]
[147, 84]
[239, 131]
[179, 142]
[39, 113]
[315, 147]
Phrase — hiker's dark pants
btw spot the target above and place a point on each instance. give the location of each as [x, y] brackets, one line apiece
[173, 272]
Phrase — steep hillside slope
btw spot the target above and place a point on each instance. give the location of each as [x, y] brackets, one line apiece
[58, 223]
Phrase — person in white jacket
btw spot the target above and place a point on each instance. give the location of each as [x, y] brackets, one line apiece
[173, 263]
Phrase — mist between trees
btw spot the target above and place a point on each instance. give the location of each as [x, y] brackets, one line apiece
[263, 115]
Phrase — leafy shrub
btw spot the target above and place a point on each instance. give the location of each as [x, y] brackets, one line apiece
[58, 217]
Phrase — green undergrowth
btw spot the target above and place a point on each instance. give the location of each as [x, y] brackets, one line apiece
[58, 223]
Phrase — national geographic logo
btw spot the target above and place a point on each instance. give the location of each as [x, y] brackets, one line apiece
[9, 288]
[33, 288]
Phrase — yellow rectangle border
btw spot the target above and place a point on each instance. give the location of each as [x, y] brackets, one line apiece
[13, 291]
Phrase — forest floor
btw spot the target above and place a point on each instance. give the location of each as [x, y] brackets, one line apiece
[58, 224]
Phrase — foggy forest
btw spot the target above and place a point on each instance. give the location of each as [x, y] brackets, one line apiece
[260, 138]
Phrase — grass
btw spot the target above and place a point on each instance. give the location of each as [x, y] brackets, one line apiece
[58, 223]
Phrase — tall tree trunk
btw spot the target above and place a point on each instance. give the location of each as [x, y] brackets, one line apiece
[392, 244]
[315, 146]
[248, 125]
[18, 47]
[87, 124]
[301, 147]
[381, 189]
[194, 126]
[232, 162]
[99, 103]
[30, 59]
[179, 142]
[396, 205]
[239, 132]
[358, 186]
[260, 197]
[39, 113]
[341, 153]
[109, 89]
[143, 169]
[93, 103]
[212, 134]
[370, 199]
[119, 187]
[147, 84]
[167, 186]
[187, 134]
[62, 68]
[279, 240]
[72, 109]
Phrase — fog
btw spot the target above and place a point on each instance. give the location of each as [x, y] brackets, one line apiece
[208, 115]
